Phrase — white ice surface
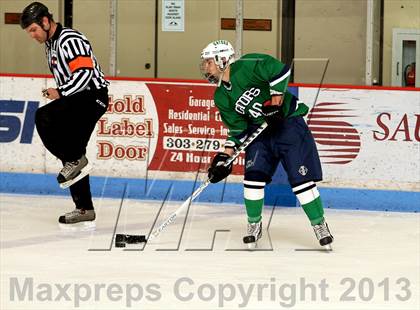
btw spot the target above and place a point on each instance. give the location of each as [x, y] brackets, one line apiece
[377, 252]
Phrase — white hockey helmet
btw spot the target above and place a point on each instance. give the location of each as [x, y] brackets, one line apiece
[221, 51]
[222, 54]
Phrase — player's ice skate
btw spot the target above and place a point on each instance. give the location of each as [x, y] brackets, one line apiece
[73, 171]
[78, 219]
[254, 233]
[323, 235]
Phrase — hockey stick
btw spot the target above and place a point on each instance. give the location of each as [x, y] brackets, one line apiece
[198, 191]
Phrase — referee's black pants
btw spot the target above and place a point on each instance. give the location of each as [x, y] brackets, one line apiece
[65, 126]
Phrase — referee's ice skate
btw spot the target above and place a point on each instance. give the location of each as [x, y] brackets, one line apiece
[323, 234]
[76, 216]
[73, 171]
[254, 233]
[78, 220]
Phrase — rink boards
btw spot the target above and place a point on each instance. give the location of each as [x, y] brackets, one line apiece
[159, 136]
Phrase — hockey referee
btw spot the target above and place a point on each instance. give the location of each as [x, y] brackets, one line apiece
[66, 123]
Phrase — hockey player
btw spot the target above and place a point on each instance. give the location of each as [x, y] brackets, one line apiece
[251, 90]
[80, 99]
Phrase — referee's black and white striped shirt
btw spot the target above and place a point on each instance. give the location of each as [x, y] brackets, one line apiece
[72, 62]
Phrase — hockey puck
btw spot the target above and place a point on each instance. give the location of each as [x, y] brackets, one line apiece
[119, 238]
[130, 239]
[249, 239]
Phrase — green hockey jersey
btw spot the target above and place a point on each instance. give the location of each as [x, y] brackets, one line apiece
[254, 78]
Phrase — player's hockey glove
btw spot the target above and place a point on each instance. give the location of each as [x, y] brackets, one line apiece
[272, 113]
[218, 171]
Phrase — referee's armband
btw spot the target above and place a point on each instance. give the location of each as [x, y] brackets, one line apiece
[81, 62]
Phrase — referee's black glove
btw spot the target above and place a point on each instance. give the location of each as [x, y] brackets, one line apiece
[217, 170]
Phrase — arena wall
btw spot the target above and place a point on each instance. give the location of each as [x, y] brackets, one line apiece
[158, 138]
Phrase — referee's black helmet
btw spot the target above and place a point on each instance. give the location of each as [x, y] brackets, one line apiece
[34, 13]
